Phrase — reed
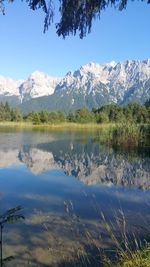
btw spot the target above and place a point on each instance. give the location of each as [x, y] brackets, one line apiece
[126, 136]
[129, 250]
[63, 125]
[125, 249]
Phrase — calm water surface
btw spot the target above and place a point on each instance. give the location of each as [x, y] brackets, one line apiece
[65, 181]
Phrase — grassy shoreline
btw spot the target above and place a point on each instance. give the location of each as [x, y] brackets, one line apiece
[64, 125]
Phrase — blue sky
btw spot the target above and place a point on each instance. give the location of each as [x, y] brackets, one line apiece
[24, 48]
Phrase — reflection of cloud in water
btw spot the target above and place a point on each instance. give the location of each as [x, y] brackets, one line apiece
[15, 140]
[9, 157]
[52, 238]
[51, 242]
[42, 199]
[134, 197]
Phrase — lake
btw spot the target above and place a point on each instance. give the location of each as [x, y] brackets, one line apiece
[70, 186]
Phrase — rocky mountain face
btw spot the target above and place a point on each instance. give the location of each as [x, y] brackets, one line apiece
[93, 85]
[37, 85]
[9, 90]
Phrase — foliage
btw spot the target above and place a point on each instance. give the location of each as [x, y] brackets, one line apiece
[131, 113]
[126, 134]
[10, 216]
[147, 103]
[35, 118]
[56, 117]
[43, 116]
[9, 114]
[138, 112]
[75, 15]
[126, 137]
[123, 247]
[101, 117]
[139, 258]
[82, 115]
[113, 111]
[16, 115]
[129, 251]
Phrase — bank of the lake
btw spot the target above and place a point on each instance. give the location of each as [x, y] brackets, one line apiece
[68, 125]
[63, 125]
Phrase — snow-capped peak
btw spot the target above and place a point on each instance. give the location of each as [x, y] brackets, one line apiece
[112, 63]
[39, 84]
[9, 87]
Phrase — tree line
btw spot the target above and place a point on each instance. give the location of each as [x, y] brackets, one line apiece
[111, 113]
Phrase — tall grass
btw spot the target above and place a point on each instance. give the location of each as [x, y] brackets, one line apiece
[124, 248]
[126, 136]
[129, 250]
[139, 258]
[61, 125]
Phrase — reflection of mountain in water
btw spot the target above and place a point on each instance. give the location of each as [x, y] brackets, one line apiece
[87, 162]
[37, 161]
[93, 165]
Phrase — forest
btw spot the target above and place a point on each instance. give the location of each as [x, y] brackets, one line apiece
[111, 113]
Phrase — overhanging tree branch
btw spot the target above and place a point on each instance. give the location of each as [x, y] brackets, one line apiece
[75, 15]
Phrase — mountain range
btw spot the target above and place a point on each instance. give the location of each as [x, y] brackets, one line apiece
[91, 86]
